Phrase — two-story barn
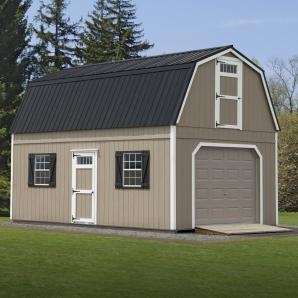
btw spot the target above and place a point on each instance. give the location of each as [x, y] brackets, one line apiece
[166, 142]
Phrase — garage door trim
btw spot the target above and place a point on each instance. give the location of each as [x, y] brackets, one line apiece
[226, 145]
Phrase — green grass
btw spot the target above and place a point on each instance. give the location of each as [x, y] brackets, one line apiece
[288, 218]
[54, 264]
[3, 219]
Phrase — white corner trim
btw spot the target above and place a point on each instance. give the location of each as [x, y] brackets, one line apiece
[226, 145]
[248, 63]
[11, 176]
[173, 178]
[276, 178]
[187, 92]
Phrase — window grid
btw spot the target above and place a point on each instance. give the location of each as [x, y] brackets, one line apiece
[228, 68]
[132, 170]
[84, 160]
[42, 169]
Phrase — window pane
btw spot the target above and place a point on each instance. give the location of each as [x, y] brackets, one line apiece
[132, 169]
[228, 68]
[84, 160]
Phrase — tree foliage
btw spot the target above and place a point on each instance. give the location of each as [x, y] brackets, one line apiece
[127, 33]
[57, 37]
[283, 84]
[112, 33]
[288, 162]
[14, 39]
[96, 42]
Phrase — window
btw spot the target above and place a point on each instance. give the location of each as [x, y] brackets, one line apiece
[132, 169]
[42, 170]
[84, 160]
[228, 93]
[229, 68]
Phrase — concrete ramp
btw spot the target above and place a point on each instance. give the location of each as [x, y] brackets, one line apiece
[239, 229]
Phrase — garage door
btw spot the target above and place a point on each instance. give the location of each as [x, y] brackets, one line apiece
[226, 186]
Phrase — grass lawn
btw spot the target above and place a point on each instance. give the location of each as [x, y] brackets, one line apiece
[54, 264]
[2, 219]
[288, 218]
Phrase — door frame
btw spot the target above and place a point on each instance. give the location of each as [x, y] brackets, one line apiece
[225, 145]
[94, 184]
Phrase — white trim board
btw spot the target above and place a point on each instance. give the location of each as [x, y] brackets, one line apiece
[238, 98]
[241, 57]
[173, 178]
[225, 145]
[74, 166]
[276, 179]
[11, 176]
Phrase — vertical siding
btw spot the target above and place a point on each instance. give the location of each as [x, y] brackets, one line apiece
[200, 108]
[115, 207]
[197, 125]
[185, 147]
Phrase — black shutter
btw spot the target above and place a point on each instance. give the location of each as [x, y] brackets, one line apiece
[146, 169]
[31, 169]
[118, 169]
[52, 170]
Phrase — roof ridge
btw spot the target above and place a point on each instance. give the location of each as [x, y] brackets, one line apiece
[147, 57]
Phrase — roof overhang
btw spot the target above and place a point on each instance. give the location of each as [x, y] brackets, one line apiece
[249, 63]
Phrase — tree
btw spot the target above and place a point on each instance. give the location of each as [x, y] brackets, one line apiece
[14, 39]
[96, 42]
[127, 34]
[283, 84]
[288, 162]
[278, 94]
[56, 37]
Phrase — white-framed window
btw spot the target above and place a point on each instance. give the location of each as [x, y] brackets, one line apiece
[42, 165]
[132, 169]
[228, 93]
[84, 160]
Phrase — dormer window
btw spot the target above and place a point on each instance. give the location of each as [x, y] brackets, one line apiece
[228, 93]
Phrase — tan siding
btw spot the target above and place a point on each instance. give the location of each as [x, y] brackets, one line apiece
[94, 135]
[256, 112]
[116, 207]
[187, 144]
[199, 110]
[197, 125]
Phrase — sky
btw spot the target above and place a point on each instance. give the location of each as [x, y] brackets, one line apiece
[260, 29]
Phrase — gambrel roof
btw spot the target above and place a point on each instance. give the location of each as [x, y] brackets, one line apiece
[137, 92]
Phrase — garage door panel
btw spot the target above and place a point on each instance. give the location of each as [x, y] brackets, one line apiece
[225, 186]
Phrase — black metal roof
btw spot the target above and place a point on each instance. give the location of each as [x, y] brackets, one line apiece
[130, 93]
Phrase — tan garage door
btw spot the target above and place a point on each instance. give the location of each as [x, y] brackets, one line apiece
[226, 189]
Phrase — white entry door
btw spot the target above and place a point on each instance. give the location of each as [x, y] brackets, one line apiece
[84, 185]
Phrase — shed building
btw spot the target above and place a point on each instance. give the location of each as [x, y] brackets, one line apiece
[167, 142]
